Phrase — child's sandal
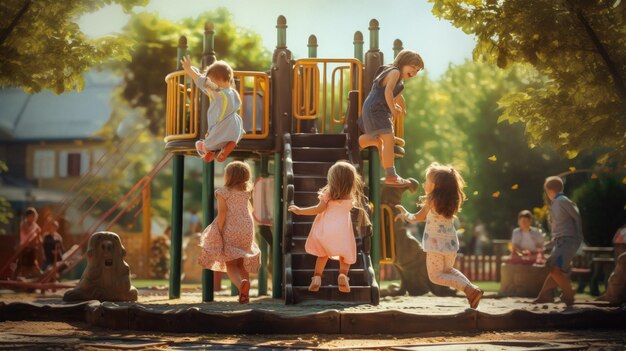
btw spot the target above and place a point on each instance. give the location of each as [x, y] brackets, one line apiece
[344, 283]
[396, 182]
[474, 297]
[316, 282]
[244, 291]
[223, 155]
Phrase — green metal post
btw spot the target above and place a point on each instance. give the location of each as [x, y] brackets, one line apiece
[397, 47]
[208, 214]
[281, 26]
[358, 45]
[177, 226]
[277, 264]
[178, 165]
[374, 195]
[373, 59]
[261, 170]
[312, 46]
[208, 169]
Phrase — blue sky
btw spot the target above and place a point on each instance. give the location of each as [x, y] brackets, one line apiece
[332, 21]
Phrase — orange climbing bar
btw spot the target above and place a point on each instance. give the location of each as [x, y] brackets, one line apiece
[321, 88]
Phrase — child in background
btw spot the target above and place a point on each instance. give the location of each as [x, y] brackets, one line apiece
[383, 105]
[567, 235]
[331, 234]
[228, 243]
[52, 245]
[444, 197]
[224, 125]
[527, 241]
[29, 226]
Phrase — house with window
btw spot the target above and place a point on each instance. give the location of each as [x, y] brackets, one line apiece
[49, 141]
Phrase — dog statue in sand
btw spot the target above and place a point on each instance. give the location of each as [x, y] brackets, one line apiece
[107, 276]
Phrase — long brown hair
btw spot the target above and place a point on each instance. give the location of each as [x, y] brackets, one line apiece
[408, 57]
[447, 195]
[237, 176]
[345, 183]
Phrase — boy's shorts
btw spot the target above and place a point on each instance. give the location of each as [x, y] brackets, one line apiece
[563, 253]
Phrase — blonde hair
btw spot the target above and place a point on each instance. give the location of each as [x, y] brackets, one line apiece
[237, 176]
[221, 70]
[344, 182]
[553, 183]
[447, 196]
[408, 57]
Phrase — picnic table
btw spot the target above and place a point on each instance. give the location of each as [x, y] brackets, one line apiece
[602, 264]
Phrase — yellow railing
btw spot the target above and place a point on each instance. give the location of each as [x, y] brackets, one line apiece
[387, 237]
[311, 83]
[183, 103]
[181, 110]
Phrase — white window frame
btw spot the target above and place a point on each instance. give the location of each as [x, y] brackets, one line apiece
[43, 164]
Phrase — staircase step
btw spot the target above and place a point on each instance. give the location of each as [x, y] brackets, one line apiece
[302, 277]
[298, 242]
[305, 199]
[318, 154]
[309, 182]
[332, 293]
[315, 140]
[305, 261]
[317, 169]
[302, 229]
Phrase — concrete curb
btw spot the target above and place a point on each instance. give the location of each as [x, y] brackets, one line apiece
[258, 321]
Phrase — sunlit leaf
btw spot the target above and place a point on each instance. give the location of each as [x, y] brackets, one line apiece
[495, 195]
[492, 158]
[515, 186]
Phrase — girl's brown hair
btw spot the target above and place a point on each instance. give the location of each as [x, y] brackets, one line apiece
[408, 57]
[237, 176]
[447, 195]
[344, 182]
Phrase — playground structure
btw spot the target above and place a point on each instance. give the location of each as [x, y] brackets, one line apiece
[299, 120]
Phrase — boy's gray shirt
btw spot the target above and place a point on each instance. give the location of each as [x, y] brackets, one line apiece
[566, 222]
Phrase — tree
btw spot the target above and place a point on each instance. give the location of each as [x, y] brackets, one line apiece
[580, 46]
[6, 213]
[454, 120]
[42, 47]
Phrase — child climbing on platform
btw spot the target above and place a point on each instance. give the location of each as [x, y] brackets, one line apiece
[331, 234]
[227, 244]
[444, 197]
[224, 125]
[383, 105]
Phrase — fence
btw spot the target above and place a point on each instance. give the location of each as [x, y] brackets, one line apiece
[479, 268]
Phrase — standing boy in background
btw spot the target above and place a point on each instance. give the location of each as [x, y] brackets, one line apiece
[567, 235]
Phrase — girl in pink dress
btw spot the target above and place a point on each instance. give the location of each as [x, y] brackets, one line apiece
[331, 235]
[228, 243]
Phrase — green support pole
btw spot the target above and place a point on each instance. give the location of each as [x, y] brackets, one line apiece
[208, 214]
[208, 169]
[375, 193]
[261, 170]
[178, 175]
[312, 44]
[277, 264]
[397, 47]
[177, 226]
[358, 45]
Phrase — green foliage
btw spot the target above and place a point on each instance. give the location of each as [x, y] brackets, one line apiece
[454, 120]
[602, 204]
[579, 46]
[42, 47]
[154, 56]
[6, 212]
